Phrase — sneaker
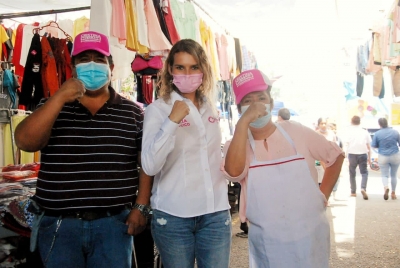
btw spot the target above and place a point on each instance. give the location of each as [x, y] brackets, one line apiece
[364, 194]
[242, 235]
[386, 195]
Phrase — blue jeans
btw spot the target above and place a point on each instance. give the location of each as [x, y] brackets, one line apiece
[362, 161]
[391, 163]
[78, 243]
[180, 241]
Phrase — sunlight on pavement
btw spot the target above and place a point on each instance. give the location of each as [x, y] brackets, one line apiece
[343, 218]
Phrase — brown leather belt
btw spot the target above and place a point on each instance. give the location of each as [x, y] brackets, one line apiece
[87, 215]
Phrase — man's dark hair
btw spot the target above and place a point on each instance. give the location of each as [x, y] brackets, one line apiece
[284, 113]
[355, 120]
[383, 122]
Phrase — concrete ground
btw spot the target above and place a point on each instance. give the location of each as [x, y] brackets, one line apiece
[364, 233]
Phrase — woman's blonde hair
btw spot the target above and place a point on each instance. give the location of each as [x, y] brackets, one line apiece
[207, 88]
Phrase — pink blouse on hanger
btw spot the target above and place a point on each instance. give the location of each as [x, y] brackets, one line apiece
[157, 39]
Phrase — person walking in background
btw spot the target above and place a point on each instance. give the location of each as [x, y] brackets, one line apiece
[358, 151]
[322, 128]
[283, 114]
[182, 149]
[280, 196]
[387, 140]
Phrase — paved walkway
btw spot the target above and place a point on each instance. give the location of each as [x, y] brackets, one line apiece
[364, 233]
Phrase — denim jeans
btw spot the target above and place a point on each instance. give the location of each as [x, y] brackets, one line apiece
[180, 241]
[391, 163]
[85, 244]
[362, 161]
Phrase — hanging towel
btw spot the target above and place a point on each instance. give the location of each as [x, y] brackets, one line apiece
[395, 74]
[378, 83]
[360, 84]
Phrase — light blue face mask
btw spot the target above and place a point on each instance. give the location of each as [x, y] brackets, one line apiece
[93, 75]
[262, 121]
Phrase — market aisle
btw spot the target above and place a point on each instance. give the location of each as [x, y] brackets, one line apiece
[364, 233]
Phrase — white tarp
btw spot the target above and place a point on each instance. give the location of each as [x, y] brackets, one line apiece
[16, 6]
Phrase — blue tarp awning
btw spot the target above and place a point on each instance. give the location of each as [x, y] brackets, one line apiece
[280, 104]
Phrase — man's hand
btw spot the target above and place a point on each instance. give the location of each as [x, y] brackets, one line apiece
[72, 89]
[136, 222]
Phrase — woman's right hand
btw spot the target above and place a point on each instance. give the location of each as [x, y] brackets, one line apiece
[255, 110]
[72, 89]
[179, 111]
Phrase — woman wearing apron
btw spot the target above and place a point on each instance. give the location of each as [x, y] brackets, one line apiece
[275, 165]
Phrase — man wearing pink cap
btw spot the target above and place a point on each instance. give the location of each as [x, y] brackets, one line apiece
[280, 197]
[90, 142]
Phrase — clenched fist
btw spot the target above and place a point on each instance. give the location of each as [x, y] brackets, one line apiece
[255, 110]
[179, 111]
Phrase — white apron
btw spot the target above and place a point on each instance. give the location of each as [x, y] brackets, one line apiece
[286, 211]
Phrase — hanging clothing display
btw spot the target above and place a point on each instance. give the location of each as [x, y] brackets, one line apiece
[146, 70]
[9, 155]
[19, 69]
[157, 39]
[3, 38]
[169, 20]
[118, 18]
[32, 87]
[185, 18]
[132, 41]
[161, 19]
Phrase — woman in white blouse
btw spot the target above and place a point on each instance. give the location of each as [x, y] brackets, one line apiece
[182, 150]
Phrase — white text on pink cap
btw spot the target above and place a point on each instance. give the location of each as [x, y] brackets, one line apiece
[90, 38]
[243, 79]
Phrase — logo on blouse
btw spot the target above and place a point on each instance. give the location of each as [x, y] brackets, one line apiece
[184, 123]
[212, 119]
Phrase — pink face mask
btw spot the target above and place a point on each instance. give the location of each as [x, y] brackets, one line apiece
[187, 83]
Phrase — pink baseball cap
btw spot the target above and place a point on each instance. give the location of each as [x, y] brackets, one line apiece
[249, 81]
[91, 41]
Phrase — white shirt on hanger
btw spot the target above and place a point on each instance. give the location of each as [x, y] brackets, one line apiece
[26, 43]
[185, 159]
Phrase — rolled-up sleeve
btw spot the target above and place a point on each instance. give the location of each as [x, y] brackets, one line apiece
[158, 140]
[320, 148]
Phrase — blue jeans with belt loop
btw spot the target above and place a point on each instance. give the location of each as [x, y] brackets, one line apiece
[76, 243]
[389, 164]
[206, 238]
[362, 161]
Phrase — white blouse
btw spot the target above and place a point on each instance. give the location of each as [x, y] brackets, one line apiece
[185, 159]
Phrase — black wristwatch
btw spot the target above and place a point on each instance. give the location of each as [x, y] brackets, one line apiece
[144, 210]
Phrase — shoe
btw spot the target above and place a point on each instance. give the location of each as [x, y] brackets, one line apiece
[244, 227]
[394, 197]
[386, 195]
[353, 195]
[242, 235]
[364, 194]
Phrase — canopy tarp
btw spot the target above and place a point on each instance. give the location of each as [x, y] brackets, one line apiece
[280, 104]
[8, 7]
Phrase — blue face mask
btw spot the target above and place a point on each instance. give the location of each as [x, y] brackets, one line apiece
[262, 121]
[93, 75]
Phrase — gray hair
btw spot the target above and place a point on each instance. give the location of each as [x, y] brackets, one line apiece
[284, 113]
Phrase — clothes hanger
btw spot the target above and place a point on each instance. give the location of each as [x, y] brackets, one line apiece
[50, 24]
